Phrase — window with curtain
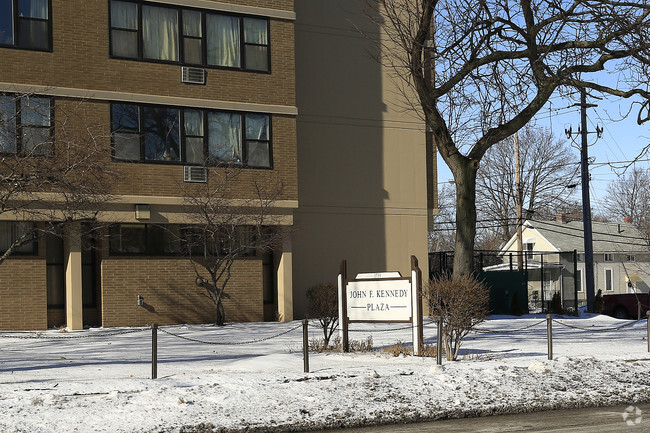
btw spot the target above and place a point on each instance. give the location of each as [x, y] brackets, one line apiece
[258, 144]
[224, 132]
[25, 24]
[192, 37]
[256, 44]
[149, 133]
[159, 33]
[124, 29]
[223, 41]
[194, 136]
[188, 36]
[33, 24]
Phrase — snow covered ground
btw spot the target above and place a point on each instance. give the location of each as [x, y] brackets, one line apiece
[99, 379]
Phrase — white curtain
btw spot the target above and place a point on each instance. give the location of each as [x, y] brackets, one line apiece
[257, 136]
[124, 15]
[193, 136]
[223, 40]
[160, 33]
[33, 8]
[224, 137]
[257, 127]
[255, 31]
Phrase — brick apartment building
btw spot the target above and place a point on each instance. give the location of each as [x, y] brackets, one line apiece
[287, 92]
[124, 66]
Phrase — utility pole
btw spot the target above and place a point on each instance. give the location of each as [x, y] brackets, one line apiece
[586, 203]
[518, 205]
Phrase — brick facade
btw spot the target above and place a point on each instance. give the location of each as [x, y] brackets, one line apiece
[80, 68]
[170, 294]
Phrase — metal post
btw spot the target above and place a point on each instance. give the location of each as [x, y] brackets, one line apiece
[154, 351]
[439, 342]
[549, 332]
[305, 343]
[575, 281]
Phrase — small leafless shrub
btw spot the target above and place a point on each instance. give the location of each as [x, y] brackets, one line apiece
[323, 303]
[462, 302]
[318, 345]
[400, 348]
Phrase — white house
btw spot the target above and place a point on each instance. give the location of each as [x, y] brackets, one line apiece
[554, 251]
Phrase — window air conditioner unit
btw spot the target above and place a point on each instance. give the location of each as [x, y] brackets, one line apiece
[192, 75]
[195, 174]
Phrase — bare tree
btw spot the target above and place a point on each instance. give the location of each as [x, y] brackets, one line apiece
[224, 228]
[547, 168]
[52, 173]
[629, 197]
[480, 71]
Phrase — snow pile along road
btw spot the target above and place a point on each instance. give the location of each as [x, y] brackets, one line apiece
[102, 383]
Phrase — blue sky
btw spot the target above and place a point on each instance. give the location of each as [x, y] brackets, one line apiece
[622, 140]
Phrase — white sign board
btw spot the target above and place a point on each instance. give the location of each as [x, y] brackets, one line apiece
[383, 300]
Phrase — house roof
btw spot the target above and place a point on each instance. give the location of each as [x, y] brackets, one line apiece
[607, 236]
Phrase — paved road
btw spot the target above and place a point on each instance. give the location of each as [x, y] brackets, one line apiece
[600, 419]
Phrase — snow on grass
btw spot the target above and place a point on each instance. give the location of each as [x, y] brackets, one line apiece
[102, 383]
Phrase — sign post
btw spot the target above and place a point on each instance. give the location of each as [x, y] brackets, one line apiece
[384, 297]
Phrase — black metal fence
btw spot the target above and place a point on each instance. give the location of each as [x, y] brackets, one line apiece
[552, 279]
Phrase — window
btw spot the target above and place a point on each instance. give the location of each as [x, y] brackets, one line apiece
[609, 279]
[256, 44]
[12, 232]
[608, 257]
[194, 37]
[149, 133]
[174, 239]
[579, 281]
[528, 248]
[630, 257]
[25, 24]
[25, 125]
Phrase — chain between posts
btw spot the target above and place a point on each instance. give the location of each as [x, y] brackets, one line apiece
[616, 328]
[508, 331]
[216, 343]
[371, 331]
[39, 336]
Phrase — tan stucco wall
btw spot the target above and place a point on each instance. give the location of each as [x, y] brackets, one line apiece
[362, 186]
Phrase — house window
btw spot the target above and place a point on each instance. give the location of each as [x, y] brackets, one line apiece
[609, 257]
[148, 133]
[579, 281]
[630, 257]
[188, 36]
[25, 125]
[25, 24]
[17, 234]
[528, 248]
[609, 279]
